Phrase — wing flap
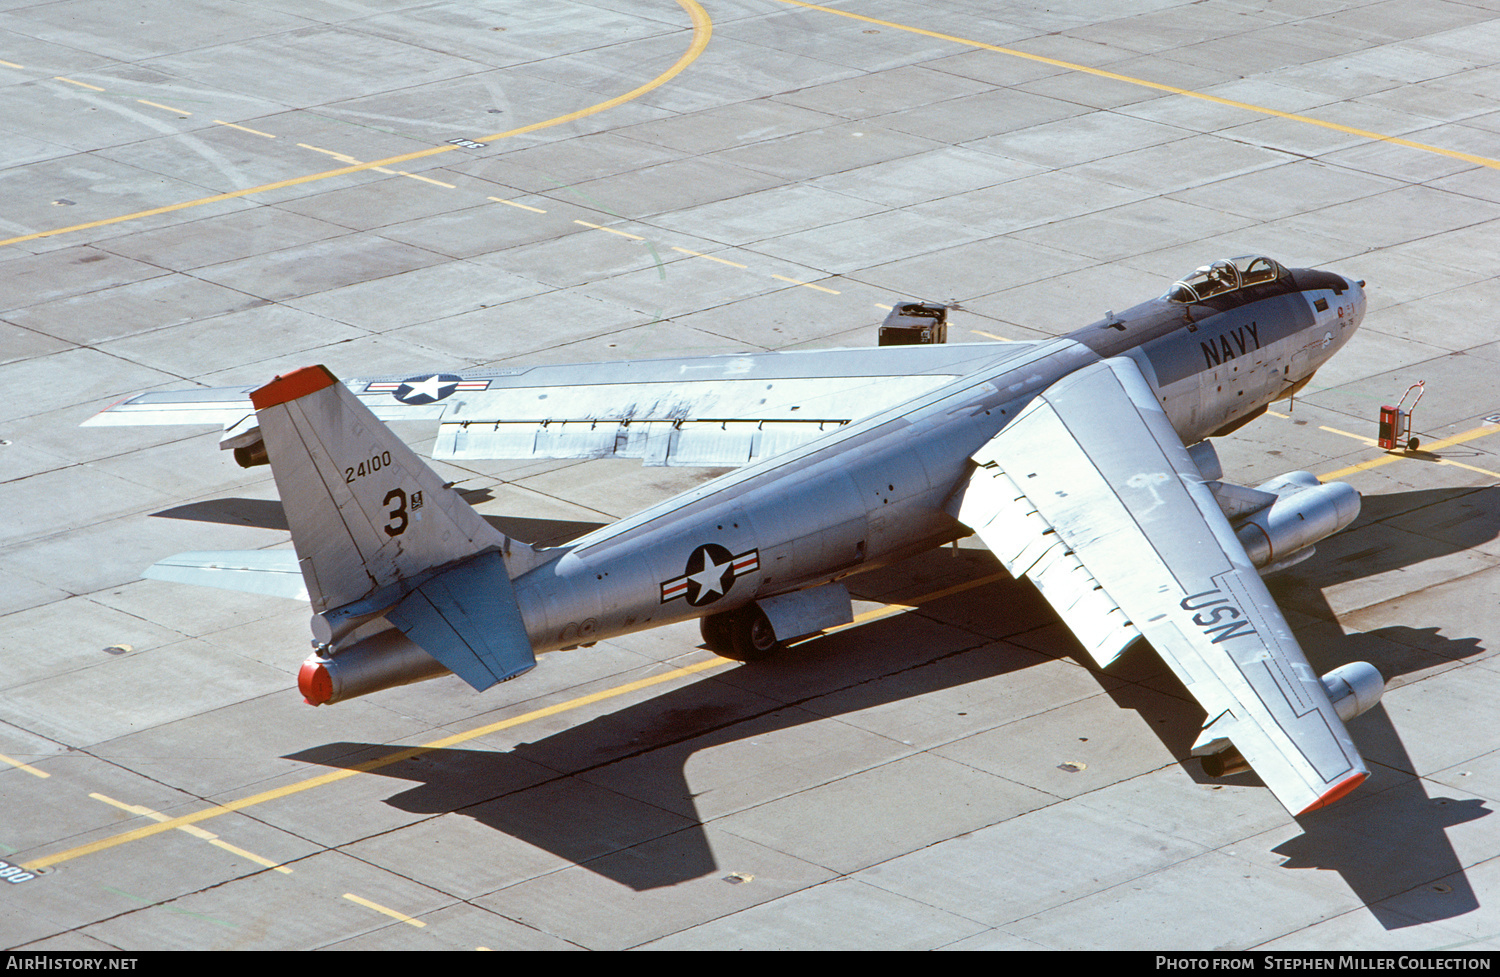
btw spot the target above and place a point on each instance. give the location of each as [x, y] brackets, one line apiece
[726, 443]
[1099, 463]
[1028, 546]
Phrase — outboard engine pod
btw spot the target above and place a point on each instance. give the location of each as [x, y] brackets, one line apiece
[1353, 688]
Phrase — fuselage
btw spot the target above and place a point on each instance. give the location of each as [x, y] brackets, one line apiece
[877, 489]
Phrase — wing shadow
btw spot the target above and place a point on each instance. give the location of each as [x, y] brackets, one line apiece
[648, 744]
[1390, 836]
[269, 514]
[621, 776]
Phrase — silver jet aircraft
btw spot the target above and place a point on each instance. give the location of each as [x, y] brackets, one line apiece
[1081, 462]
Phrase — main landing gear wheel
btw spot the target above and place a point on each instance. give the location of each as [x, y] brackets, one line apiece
[715, 631]
[742, 635]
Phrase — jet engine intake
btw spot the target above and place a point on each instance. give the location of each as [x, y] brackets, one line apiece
[1305, 512]
[1353, 688]
[382, 661]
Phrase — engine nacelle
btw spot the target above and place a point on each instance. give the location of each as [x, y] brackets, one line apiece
[1305, 512]
[381, 661]
[244, 439]
[1353, 688]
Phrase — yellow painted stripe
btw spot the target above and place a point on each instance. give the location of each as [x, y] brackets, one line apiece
[382, 909]
[427, 179]
[12, 64]
[722, 261]
[195, 831]
[341, 157]
[1470, 435]
[702, 30]
[255, 132]
[990, 335]
[512, 203]
[1357, 437]
[80, 84]
[21, 766]
[1158, 86]
[158, 105]
[1459, 464]
[250, 856]
[600, 227]
[805, 284]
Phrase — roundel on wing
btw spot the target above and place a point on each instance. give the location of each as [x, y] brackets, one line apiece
[428, 389]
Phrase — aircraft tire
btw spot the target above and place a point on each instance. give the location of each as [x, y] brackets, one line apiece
[751, 637]
[716, 629]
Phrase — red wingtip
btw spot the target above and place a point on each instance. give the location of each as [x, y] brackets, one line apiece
[314, 683]
[298, 383]
[1337, 791]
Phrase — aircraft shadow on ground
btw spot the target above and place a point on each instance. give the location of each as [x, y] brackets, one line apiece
[611, 793]
[604, 793]
[269, 514]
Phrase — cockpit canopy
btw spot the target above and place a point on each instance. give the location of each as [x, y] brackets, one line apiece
[1225, 275]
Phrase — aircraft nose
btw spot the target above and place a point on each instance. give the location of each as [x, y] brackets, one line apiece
[1358, 290]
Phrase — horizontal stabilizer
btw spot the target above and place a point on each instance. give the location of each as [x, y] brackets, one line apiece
[273, 573]
[467, 618]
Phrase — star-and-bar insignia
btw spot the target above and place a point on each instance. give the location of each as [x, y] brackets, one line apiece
[427, 389]
[711, 570]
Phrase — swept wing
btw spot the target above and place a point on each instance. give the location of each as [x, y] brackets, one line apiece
[725, 410]
[1091, 494]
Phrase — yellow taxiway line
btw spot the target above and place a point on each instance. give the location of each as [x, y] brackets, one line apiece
[1158, 86]
[383, 909]
[195, 831]
[702, 31]
[1473, 434]
[21, 766]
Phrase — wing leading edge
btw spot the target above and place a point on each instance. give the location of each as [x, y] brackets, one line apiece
[1091, 494]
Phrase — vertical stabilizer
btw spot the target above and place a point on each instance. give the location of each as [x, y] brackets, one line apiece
[365, 512]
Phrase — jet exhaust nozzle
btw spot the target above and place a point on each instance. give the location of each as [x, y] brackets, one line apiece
[1225, 763]
[252, 455]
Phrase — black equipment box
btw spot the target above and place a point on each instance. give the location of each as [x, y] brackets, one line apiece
[915, 324]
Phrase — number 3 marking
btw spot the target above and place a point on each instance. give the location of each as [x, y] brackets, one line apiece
[397, 525]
